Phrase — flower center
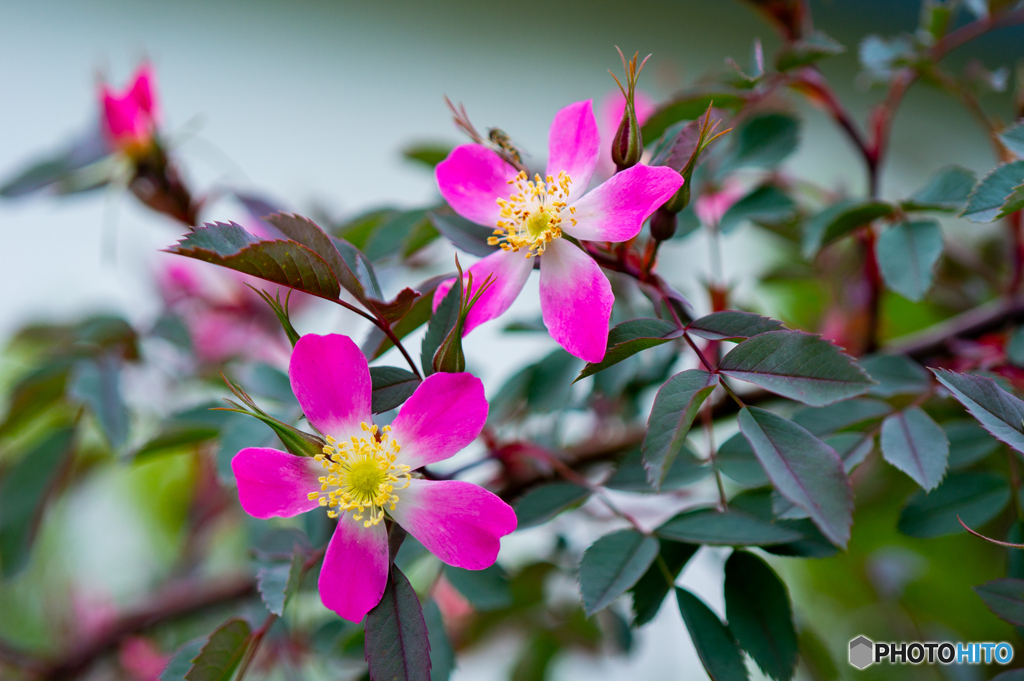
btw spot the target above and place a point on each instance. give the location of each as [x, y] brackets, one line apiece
[531, 216]
[361, 475]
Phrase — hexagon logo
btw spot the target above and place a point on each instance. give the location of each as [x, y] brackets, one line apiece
[862, 652]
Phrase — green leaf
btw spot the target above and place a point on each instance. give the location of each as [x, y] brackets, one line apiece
[77, 167]
[397, 642]
[391, 387]
[763, 141]
[807, 50]
[97, 384]
[486, 589]
[852, 448]
[25, 489]
[969, 443]
[895, 375]
[181, 661]
[540, 388]
[222, 652]
[907, 254]
[715, 644]
[732, 325]
[759, 614]
[1005, 598]
[766, 203]
[803, 469]
[675, 408]
[377, 343]
[1015, 347]
[841, 219]
[999, 412]
[282, 262]
[427, 153]
[687, 107]
[975, 497]
[544, 502]
[391, 236]
[797, 365]
[612, 565]
[442, 656]
[986, 200]
[440, 325]
[724, 528]
[947, 190]
[651, 589]
[912, 442]
[1012, 138]
[278, 581]
[811, 543]
[736, 459]
[629, 338]
[465, 235]
[824, 420]
[631, 476]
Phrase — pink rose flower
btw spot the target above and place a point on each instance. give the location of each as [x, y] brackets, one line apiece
[366, 474]
[530, 218]
[130, 118]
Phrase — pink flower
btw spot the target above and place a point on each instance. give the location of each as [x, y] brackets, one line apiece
[711, 205]
[366, 473]
[531, 216]
[130, 118]
[609, 116]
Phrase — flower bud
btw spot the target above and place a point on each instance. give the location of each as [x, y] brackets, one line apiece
[663, 224]
[628, 145]
[130, 118]
[681, 199]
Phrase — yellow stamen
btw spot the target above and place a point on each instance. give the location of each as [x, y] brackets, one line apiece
[530, 217]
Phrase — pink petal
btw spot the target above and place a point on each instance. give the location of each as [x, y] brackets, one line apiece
[616, 210]
[472, 179]
[444, 415]
[355, 568]
[575, 300]
[124, 121]
[331, 381]
[574, 145]
[274, 484]
[142, 90]
[712, 205]
[510, 270]
[459, 522]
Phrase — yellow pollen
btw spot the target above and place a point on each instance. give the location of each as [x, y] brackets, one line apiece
[362, 475]
[531, 215]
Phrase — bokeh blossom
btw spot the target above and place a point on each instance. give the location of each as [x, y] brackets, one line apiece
[130, 117]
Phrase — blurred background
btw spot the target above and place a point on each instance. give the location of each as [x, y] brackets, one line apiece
[311, 103]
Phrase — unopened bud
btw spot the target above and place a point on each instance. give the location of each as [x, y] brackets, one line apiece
[663, 224]
[628, 144]
[681, 199]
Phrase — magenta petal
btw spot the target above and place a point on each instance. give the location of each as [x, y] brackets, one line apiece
[472, 179]
[331, 381]
[273, 484]
[574, 144]
[616, 210]
[444, 415]
[575, 300]
[355, 568]
[510, 270]
[459, 522]
[142, 90]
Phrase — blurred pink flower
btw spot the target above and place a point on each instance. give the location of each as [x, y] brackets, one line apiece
[130, 118]
[711, 205]
[608, 118]
[364, 473]
[142, 659]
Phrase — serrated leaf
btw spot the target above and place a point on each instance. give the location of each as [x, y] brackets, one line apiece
[807, 50]
[766, 203]
[716, 647]
[999, 412]
[907, 254]
[394, 310]
[841, 219]
[97, 384]
[724, 528]
[811, 544]
[25, 489]
[612, 565]
[278, 581]
[824, 420]
[803, 469]
[732, 325]
[736, 459]
[222, 652]
[1012, 138]
[629, 338]
[440, 325]
[687, 107]
[988, 197]
[763, 141]
[947, 190]
[486, 589]
[675, 407]
[391, 387]
[975, 497]
[651, 589]
[464, 234]
[377, 343]
[442, 656]
[1005, 598]
[912, 442]
[895, 375]
[969, 443]
[181, 661]
[852, 448]
[544, 502]
[397, 644]
[631, 476]
[759, 614]
[287, 263]
[797, 365]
